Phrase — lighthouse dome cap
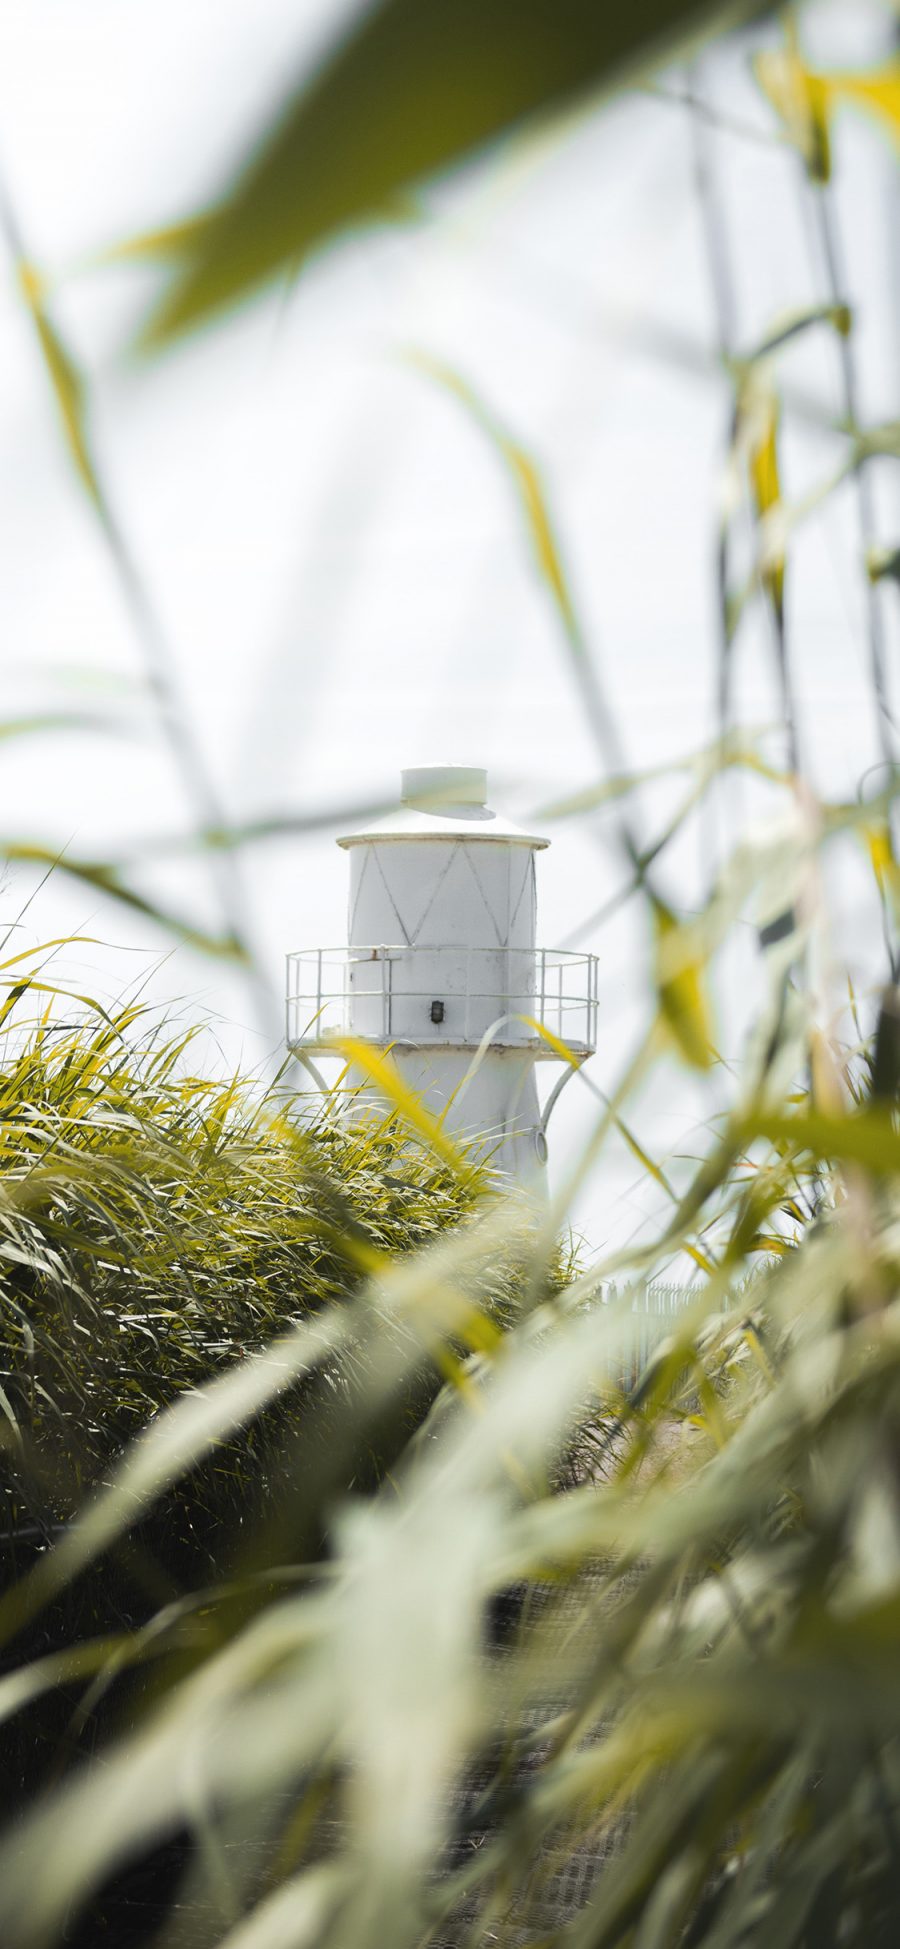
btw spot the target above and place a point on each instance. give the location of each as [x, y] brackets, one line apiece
[444, 802]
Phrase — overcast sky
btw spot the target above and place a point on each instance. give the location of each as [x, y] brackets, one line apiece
[332, 548]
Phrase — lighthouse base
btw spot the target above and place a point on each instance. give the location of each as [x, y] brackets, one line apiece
[496, 1109]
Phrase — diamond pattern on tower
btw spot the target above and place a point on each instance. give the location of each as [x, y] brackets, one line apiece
[529, 885]
[360, 886]
[392, 903]
[408, 886]
[443, 894]
[434, 895]
[489, 910]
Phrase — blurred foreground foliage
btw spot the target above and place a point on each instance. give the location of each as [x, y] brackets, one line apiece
[361, 1594]
[591, 1662]
[413, 88]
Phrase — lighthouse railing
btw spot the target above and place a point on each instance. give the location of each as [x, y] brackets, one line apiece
[443, 995]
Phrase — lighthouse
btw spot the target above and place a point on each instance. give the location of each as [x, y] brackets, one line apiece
[442, 968]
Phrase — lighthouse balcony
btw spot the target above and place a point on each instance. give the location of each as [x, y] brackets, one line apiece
[527, 999]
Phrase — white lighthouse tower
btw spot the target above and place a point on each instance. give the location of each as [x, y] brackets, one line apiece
[442, 967]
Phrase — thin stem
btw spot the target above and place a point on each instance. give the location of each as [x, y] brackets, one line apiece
[837, 287]
[725, 312]
[715, 233]
[728, 124]
[832, 255]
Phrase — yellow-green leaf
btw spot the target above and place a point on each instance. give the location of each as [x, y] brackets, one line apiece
[385, 1075]
[680, 982]
[757, 428]
[806, 101]
[884, 865]
[65, 379]
[169, 243]
[801, 101]
[868, 1137]
[526, 480]
[878, 93]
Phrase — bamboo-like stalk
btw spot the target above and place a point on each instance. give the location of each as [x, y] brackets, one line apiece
[726, 321]
[828, 230]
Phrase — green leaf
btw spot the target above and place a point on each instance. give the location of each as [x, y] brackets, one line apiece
[527, 484]
[869, 1137]
[170, 242]
[66, 380]
[541, 529]
[680, 981]
[415, 87]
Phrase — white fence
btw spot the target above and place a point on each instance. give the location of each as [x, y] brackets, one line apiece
[653, 1311]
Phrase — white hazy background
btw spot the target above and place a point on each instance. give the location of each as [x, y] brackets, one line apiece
[332, 547]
